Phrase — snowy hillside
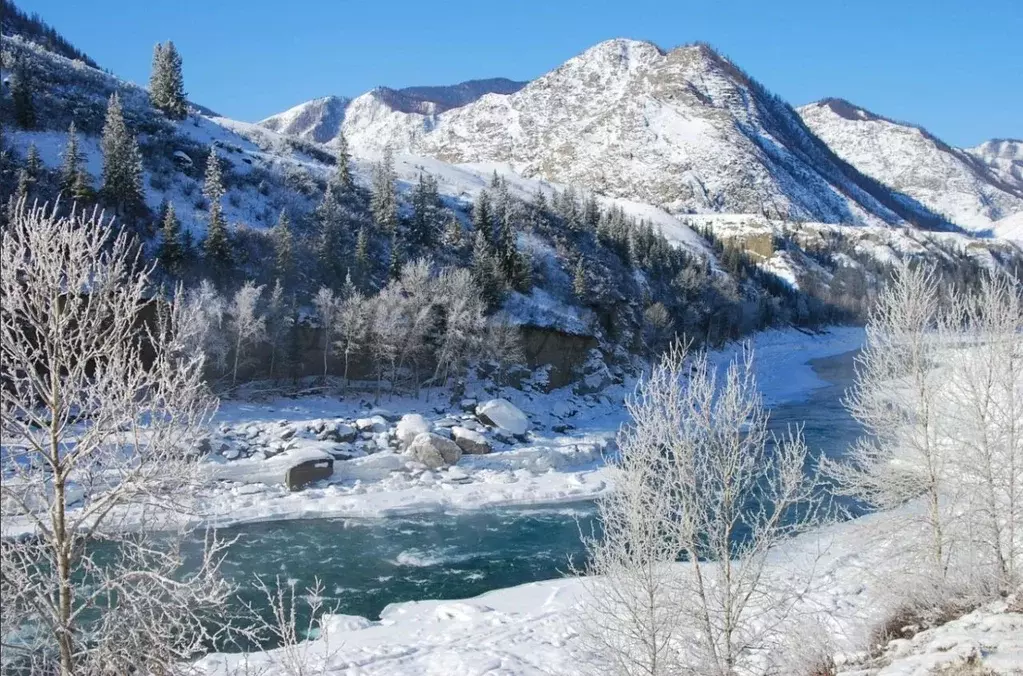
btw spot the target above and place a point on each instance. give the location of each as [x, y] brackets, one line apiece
[685, 130]
[320, 119]
[1004, 157]
[950, 181]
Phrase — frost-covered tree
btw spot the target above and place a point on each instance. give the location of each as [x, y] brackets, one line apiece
[100, 410]
[486, 269]
[344, 181]
[463, 322]
[579, 285]
[387, 327]
[21, 96]
[72, 160]
[453, 233]
[33, 162]
[352, 325]
[122, 164]
[279, 324]
[482, 218]
[169, 251]
[166, 83]
[503, 343]
[201, 315]
[362, 262]
[217, 245]
[698, 479]
[384, 199]
[245, 325]
[328, 307]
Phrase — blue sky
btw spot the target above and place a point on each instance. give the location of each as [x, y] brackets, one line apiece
[954, 66]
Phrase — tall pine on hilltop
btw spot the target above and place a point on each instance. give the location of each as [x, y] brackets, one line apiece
[166, 83]
[122, 164]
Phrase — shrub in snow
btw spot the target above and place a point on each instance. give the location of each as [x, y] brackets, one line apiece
[503, 414]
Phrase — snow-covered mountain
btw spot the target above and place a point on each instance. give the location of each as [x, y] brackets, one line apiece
[684, 129]
[320, 120]
[972, 188]
[1004, 157]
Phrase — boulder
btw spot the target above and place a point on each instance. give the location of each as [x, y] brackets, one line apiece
[375, 423]
[503, 414]
[298, 476]
[433, 450]
[471, 442]
[410, 426]
[345, 433]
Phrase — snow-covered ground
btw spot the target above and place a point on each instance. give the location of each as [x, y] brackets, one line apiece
[559, 460]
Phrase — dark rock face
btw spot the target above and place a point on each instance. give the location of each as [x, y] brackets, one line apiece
[307, 472]
[563, 352]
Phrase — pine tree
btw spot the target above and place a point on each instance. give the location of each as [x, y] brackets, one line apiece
[486, 271]
[395, 260]
[328, 241]
[33, 163]
[170, 252]
[453, 233]
[384, 202]
[362, 257]
[579, 286]
[422, 231]
[122, 164]
[24, 186]
[71, 164]
[538, 216]
[166, 83]
[284, 254]
[482, 219]
[81, 190]
[21, 97]
[217, 245]
[343, 178]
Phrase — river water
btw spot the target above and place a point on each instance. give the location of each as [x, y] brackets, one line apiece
[365, 564]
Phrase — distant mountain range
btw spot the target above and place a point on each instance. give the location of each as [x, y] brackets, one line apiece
[689, 131]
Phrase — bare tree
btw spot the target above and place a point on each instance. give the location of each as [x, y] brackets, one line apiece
[101, 408]
[387, 328]
[278, 323]
[699, 479]
[896, 397]
[199, 315]
[328, 306]
[463, 323]
[503, 346]
[245, 325]
[352, 325]
[419, 310]
[984, 414]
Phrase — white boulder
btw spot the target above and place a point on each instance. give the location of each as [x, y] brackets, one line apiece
[434, 451]
[503, 414]
[470, 441]
[375, 423]
[410, 426]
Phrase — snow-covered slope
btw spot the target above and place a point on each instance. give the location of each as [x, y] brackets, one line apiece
[969, 187]
[1004, 157]
[685, 130]
[320, 120]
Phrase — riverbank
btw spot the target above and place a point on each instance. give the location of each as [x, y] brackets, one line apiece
[559, 461]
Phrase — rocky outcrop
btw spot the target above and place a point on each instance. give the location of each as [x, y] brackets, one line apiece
[470, 441]
[504, 415]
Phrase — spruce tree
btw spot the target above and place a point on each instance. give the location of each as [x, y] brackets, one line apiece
[33, 163]
[284, 254]
[343, 178]
[24, 186]
[328, 217]
[21, 97]
[482, 219]
[217, 245]
[170, 251]
[486, 271]
[71, 162]
[579, 286]
[81, 189]
[384, 202]
[453, 233]
[166, 84]
[362, 257]
[122, 164]
[422, 231]
[395, 260]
